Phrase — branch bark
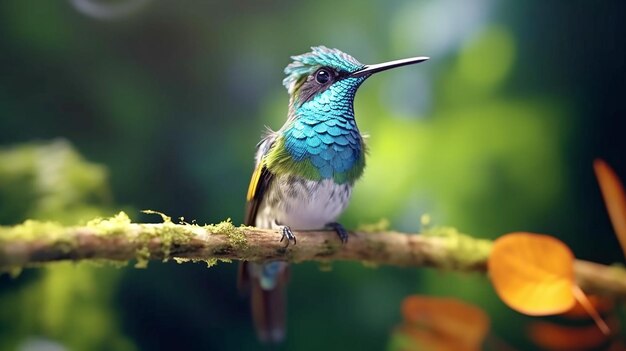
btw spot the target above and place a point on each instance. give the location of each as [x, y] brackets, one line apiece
[35, 243]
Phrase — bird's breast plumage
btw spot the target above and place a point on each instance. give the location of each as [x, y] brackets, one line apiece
[332, 145]
[302, 204]
[322, 135]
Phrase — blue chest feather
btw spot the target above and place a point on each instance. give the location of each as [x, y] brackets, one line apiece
[324, 132]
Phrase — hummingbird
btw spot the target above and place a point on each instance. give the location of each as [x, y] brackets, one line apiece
[306, 170]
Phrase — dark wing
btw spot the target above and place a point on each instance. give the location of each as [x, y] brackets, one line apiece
[259, 183]
[261, 179]
[268, 305]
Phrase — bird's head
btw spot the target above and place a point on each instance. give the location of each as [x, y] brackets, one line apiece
[331, 75]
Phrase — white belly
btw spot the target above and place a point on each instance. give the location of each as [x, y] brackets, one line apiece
[302, 204]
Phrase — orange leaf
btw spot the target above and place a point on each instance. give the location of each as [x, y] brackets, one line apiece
[614, 198]
[444, 323]
[533, 273]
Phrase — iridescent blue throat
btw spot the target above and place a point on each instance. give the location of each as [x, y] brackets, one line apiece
[324, 131]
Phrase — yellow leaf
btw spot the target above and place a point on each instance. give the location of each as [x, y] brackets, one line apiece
[614, 198]
[533, 273]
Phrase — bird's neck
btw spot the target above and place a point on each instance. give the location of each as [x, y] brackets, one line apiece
[320, 141]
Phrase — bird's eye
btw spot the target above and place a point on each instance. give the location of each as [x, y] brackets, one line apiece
[322, 76]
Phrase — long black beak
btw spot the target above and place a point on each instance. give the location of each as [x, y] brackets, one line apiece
[379, 67]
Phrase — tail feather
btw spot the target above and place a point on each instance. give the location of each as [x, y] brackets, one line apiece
[268, 312]
[243, 279]
[268, 301]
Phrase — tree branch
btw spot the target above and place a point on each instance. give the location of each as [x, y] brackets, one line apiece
[117, 239]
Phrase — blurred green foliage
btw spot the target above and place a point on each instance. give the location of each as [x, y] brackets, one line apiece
[67, 302]
[496, 133]
[50, 181]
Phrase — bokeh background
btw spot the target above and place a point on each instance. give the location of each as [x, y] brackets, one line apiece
[150, 104]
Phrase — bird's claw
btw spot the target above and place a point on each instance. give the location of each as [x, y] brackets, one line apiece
[287, 234]
[341, 231]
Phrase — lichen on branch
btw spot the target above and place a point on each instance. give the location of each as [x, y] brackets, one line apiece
[118, 239]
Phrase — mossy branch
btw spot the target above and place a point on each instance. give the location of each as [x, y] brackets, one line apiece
[117, 239]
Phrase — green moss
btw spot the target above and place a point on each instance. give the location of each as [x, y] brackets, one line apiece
[44, 232]
[32, 230]
[380, 226]
[467, 250]
[55, 234]
[209, 262]
[171, 234]
[214, 261]
[167, 233]
[52, 233]
[236, 235]
[164, 217]
[115, 225]
[142, 255]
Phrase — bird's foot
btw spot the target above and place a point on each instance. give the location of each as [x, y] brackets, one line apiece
[341, 231]
[287, 234]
